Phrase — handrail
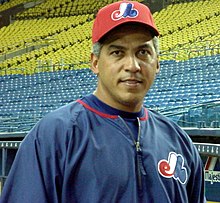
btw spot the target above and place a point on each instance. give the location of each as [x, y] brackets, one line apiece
[208, 149]
[203, 50]
[11, 69]
[189, 107]
[25, 43]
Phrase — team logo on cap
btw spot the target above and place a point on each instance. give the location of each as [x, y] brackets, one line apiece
[126, 10]
[173, 167]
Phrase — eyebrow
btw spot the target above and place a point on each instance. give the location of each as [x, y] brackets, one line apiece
[147, 46]
[114, 46]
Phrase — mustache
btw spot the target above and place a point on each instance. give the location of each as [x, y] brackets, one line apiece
[136, 78]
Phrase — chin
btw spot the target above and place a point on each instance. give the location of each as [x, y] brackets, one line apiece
[132, 100]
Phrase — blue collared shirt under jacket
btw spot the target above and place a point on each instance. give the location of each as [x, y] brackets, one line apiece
[79, 153]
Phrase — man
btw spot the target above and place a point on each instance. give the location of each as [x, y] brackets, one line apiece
[106, 147]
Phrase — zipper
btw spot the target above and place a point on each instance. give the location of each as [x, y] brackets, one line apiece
[139, 163]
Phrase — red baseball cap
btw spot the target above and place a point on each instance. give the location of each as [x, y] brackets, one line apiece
[121, 12]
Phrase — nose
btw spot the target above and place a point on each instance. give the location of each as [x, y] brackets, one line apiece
[132, 64]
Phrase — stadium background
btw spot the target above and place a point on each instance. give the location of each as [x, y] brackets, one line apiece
[44, 63]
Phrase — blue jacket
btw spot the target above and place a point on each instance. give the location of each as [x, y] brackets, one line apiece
[81, 154]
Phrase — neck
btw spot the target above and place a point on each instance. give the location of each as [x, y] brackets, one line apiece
[131, 107]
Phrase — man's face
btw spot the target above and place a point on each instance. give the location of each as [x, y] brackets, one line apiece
[126, 67]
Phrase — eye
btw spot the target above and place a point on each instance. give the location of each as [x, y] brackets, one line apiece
[144, 52]
[116, 52]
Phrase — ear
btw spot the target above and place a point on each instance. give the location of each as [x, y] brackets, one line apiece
[94, 63]
[158, 66]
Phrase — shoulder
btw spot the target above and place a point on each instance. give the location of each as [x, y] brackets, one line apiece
[163, 121]
[174, 139]
[63, 116]
[169, 129]
[58, 124]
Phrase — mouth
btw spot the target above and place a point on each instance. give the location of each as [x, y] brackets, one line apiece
[131, 82]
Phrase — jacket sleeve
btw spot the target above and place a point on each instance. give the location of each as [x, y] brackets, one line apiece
[36, 173]
[196, 180]
[196, 184]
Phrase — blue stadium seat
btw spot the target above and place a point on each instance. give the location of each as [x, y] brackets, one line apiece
[179, 84]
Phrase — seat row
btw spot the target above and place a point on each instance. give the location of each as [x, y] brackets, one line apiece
[64, 42]
[35, 95]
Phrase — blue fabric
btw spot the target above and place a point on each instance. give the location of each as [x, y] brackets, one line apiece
[130, 118]
[80, 153]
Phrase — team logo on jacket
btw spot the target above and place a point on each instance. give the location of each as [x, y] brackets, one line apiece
[173, 167]
[126, 10]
